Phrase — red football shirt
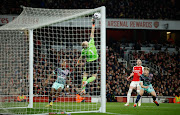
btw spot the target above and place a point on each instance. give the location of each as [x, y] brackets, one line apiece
[136, 70]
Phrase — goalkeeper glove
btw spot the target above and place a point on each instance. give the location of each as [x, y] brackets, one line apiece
[93, 21]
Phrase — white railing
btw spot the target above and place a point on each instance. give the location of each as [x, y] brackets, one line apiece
[123, 61]
[149, 49]
[159, 69]
[153, 67]
[132, 61]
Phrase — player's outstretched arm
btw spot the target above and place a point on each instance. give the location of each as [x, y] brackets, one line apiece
[93, 28]
[132, 74]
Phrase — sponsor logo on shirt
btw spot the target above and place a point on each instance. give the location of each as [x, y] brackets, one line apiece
[137, 71]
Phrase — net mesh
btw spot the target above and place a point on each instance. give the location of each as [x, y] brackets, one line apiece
[57, 37]
[13, 69]
[38, 17]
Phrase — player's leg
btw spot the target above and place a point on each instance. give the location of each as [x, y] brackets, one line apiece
[93, 70]
[153, 93]
[91, 79]
[53, 90]
[138, 92]
[91, 67]
[139, 97]
[132, 85]
[59, 88]
[85, 74]
[154, 98]
[84, 83]
[58, 92]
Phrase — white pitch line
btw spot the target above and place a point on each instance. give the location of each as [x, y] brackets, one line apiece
[155, 106]
[116, 113]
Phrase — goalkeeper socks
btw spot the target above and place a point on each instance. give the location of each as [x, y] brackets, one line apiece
[91, 79]
[84, 88]
[138, 98]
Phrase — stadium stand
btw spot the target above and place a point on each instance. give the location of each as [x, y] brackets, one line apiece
[137, 9]
[116, 83]
[165, 85]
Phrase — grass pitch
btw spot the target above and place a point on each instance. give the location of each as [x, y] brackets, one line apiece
[112, 108]
[115, 108]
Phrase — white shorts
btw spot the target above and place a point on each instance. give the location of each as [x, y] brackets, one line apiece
[56, 86]
[135, 83]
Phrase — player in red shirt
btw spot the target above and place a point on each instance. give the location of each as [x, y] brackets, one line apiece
[137, 71]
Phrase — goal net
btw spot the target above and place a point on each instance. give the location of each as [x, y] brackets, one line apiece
[40, 44]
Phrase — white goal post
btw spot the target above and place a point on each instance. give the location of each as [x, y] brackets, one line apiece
[37, 43]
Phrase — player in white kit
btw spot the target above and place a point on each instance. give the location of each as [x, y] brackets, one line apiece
[137, 71]
[62, 75]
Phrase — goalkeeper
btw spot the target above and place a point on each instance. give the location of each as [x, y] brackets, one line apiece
[89, 53]
[57, 87]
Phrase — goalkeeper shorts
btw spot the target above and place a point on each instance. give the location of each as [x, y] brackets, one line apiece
[91, 67]
[57, 85]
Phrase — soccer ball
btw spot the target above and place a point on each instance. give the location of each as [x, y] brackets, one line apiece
[97, 15]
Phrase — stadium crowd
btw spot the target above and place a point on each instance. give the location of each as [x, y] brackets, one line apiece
[137, 9]
[165, 60]
[45, 65]
[116, 83]
[164, 85]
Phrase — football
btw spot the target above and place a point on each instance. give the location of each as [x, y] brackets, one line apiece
[97, 15]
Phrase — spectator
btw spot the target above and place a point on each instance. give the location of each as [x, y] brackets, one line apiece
[138, 9]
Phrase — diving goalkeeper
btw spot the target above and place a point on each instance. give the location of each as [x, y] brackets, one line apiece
[89, 53]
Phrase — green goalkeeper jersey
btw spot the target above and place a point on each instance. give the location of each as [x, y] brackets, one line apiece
[91, 52]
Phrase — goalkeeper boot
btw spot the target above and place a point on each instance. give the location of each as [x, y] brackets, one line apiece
[156, 103]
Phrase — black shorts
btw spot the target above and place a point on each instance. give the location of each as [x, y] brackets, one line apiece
[91, 67]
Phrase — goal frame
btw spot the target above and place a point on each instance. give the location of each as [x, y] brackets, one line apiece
[103, 60]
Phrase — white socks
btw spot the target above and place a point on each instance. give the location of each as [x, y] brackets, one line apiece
[129, 95]
[138, 92]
